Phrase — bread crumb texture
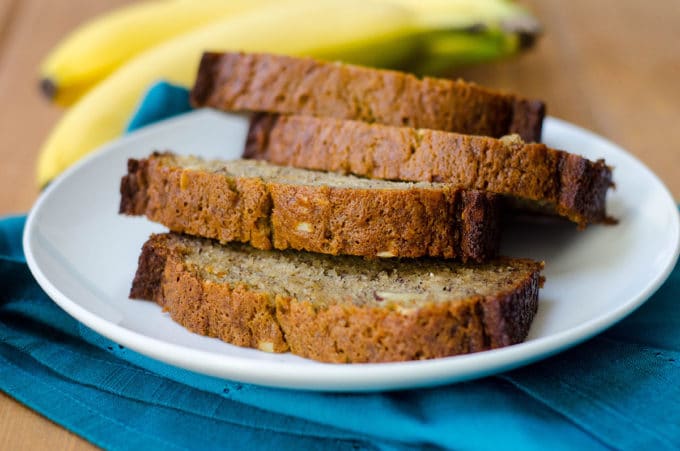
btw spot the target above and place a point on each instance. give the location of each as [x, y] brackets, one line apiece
[338, 309]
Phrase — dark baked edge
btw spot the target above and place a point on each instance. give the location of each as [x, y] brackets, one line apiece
[527, 119]
[205, 79]
[583, 190]
[133, 188]
[496, 321]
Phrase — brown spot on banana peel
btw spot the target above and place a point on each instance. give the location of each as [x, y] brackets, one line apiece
[48, 87]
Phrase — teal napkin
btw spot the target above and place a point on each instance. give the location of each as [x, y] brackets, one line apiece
[619, 390]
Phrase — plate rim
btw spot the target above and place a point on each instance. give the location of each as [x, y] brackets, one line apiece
[338, 377]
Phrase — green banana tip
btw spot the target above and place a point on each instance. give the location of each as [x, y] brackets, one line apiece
[48, 87]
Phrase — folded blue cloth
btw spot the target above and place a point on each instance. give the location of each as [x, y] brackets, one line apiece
[618, 390]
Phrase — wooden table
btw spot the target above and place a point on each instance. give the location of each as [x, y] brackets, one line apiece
[611, 66]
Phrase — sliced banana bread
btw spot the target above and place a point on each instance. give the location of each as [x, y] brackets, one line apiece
[338, 309]
[284, 84]
[554, 180]
[279, 207]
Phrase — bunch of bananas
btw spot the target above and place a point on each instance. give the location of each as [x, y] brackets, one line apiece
[101, 69]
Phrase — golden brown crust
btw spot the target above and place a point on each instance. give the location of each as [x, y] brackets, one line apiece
[283, 84]
[361, 334]
[339, 332]
[568, 184]
[413, 222]
[234, 314]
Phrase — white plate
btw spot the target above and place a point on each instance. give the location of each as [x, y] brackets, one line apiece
[84, 256]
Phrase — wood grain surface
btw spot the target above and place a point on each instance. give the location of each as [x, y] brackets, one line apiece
[611, 66]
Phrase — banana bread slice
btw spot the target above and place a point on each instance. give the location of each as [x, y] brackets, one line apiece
[547, 179]
[284, 84]
[338, 309]
[280, 207]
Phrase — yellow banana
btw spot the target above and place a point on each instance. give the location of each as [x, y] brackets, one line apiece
[94, 50]
[465, 14]
[356, 31]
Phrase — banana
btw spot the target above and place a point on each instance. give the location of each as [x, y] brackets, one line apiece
[355, 31]
[94, 50]
[440, 52]
[466, 14]
[460, 32]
